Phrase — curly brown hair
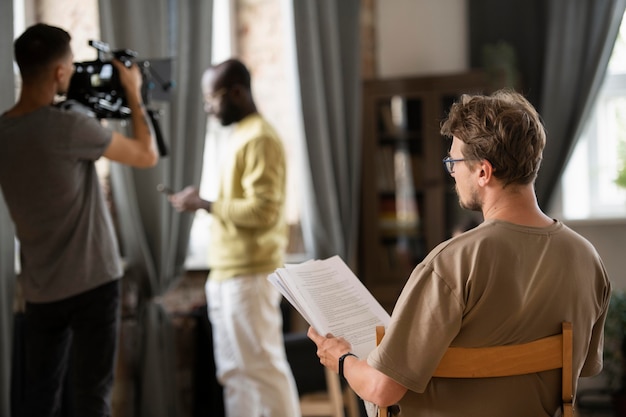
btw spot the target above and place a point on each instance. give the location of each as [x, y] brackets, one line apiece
[502, 128]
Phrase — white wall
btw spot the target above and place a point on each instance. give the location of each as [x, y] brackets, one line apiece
[420, 37]
[609, 238]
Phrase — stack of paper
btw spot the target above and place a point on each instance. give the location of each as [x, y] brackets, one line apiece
[333, 300]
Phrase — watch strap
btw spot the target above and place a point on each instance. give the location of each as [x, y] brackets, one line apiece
[341, 359]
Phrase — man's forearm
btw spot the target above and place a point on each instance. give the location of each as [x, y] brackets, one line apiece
[143, 130]
[371, 384]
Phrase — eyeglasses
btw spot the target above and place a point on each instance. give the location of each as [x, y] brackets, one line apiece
[449, 162]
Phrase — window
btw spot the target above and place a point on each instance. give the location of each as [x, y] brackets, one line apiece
[588, 186]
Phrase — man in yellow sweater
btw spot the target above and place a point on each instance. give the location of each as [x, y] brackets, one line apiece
[248, 242]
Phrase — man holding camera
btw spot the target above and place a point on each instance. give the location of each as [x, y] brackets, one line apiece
[68, 249]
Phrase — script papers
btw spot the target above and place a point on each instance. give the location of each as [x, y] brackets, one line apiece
[333, 300]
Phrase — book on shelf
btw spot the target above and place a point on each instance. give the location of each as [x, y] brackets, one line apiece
[385, 170]
[332, 299]
[406, 204]
[388, 125]
[393, 114]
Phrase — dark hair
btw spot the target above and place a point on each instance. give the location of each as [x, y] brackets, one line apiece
[38, 47]
[503, 128]
[232, 72]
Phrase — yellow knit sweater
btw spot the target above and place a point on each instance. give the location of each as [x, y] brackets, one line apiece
[249, 232]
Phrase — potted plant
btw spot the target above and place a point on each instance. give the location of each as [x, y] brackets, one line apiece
[621, 172]
[621, 176]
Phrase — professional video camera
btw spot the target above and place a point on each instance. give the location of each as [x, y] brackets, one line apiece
[95, 88]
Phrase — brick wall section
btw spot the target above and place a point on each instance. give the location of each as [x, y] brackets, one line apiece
[78, 17]
[262, 46]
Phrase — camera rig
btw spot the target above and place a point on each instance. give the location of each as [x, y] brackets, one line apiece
[95, 88]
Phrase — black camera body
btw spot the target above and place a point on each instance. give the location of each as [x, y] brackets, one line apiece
[96, 84]
[95, 88]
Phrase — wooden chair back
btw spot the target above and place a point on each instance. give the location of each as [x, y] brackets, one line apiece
[552, 352]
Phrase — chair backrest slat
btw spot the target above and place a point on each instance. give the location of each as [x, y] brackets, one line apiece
[552, 352]
[541, 355]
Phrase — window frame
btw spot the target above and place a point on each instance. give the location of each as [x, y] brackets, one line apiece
[588, 191]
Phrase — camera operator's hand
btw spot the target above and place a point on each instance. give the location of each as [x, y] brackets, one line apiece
[140, 150]
[130, 78]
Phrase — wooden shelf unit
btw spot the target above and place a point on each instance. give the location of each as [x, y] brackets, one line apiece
[408, 200]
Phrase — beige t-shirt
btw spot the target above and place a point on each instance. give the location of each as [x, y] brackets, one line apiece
[497, 284]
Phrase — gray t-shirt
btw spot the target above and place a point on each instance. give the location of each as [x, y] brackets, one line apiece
[50, 185]
[497, 284]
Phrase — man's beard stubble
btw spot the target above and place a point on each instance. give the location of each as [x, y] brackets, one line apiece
[473, 204]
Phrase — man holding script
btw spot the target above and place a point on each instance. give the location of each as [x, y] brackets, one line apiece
[333, 300]
[511, 280]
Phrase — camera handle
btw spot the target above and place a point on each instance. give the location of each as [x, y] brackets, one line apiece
[154, 119]
[102, 48]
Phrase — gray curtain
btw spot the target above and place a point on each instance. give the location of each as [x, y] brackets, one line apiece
[518, 23]
[7, 240]
[580, 38]
[329, 68]
[153, 237]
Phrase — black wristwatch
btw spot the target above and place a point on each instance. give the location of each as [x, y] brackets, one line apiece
[341, 359]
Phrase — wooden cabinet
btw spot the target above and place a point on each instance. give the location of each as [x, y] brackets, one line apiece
[408, 200]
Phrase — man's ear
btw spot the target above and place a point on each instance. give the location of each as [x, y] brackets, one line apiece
[60, 72]
[485, 172]
[237, 90]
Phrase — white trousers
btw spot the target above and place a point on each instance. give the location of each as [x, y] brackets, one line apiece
[249, 349]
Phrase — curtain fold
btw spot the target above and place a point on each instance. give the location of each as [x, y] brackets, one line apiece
[154, 238]
[327, 38]
[7, 240]
[580, 38]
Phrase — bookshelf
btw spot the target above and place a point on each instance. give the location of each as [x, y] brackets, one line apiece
[408, 200]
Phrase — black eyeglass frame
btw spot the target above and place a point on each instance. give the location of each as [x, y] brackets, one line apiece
[449, 162]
